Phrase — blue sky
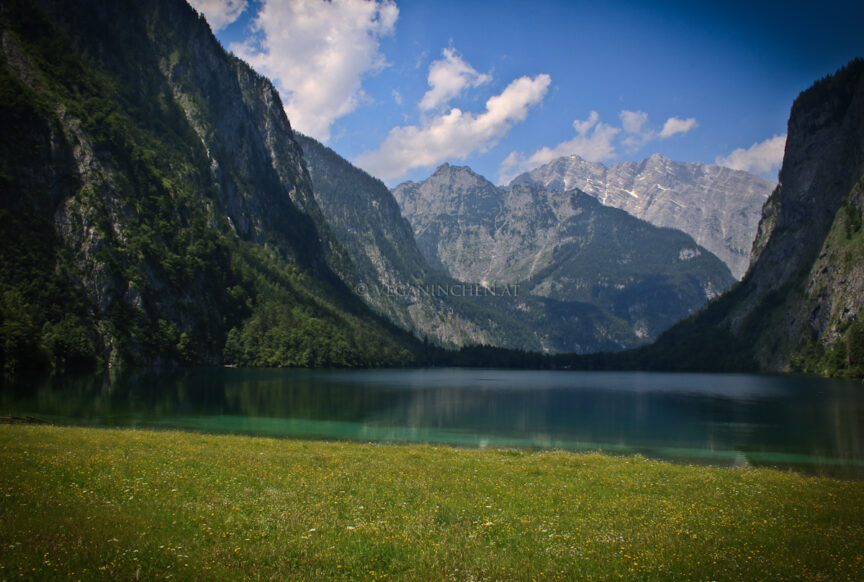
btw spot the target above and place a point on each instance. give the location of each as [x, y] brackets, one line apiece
[401, 87]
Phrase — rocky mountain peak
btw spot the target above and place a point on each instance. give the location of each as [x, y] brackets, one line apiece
[718, 207]
[657, 159]
[458, 176]
[561, 244]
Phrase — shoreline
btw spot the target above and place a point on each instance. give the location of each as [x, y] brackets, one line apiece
[808, 465]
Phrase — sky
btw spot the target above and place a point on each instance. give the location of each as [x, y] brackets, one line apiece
[399, 87]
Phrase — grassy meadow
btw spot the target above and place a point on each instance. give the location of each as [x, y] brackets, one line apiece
[99, 504]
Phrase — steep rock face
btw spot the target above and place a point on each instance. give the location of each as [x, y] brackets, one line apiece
[809, 268]
[173, 207]
[563, 245]
[453, 215]
[798, 307]
[717, 206]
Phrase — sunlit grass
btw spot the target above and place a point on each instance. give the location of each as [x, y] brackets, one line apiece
[82, 503]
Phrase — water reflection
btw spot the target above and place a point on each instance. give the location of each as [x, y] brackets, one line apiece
[724, 419]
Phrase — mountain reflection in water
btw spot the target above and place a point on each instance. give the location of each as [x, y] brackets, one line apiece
[807, 423]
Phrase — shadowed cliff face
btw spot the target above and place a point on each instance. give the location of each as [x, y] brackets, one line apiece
[823, 161]
[172, 206]
[160, 59]
[807, 262]
[798, 307]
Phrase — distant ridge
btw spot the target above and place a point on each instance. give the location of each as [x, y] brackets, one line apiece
[717, 206]
[563, 246]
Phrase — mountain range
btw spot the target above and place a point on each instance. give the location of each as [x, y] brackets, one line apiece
[717, 206]
[397, 282]
[563, 245]
[156, 208]
[799, 307]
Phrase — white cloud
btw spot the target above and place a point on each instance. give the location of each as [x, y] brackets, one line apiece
[220, 13]
[759, 158]
[317, 54]
[583, 127]
[397, 97]
[593, 142]
[675, 125]
[448, 77]
[455, 134]
[633, 123]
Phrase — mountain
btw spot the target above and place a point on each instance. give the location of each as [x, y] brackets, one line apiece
[562, 245]
[154, 206]
[717, 206]
[453, 214]
[392, 275]
[396, 280]
[799, 308]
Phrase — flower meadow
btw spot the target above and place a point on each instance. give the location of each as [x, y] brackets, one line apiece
[104, 504]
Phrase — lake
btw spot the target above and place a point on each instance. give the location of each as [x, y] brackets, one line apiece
[811, 424]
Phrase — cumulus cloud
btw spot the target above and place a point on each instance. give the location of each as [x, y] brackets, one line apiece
[675, 125]
[220, 13]
[455, 134]
[448, 78]
[633, 123]
[593, 142]
[759, 158]
[317, 54]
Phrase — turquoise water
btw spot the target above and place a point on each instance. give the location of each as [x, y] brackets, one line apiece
[788, 421]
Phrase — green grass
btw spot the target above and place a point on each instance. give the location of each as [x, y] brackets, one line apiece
[79, 503]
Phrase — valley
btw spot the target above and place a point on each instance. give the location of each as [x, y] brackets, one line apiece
[167, 214]
[261, 318]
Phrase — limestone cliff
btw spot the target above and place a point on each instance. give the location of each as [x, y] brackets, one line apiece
[808, 273]
[717, 206]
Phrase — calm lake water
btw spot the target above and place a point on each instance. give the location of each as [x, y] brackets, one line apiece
[789, 421]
